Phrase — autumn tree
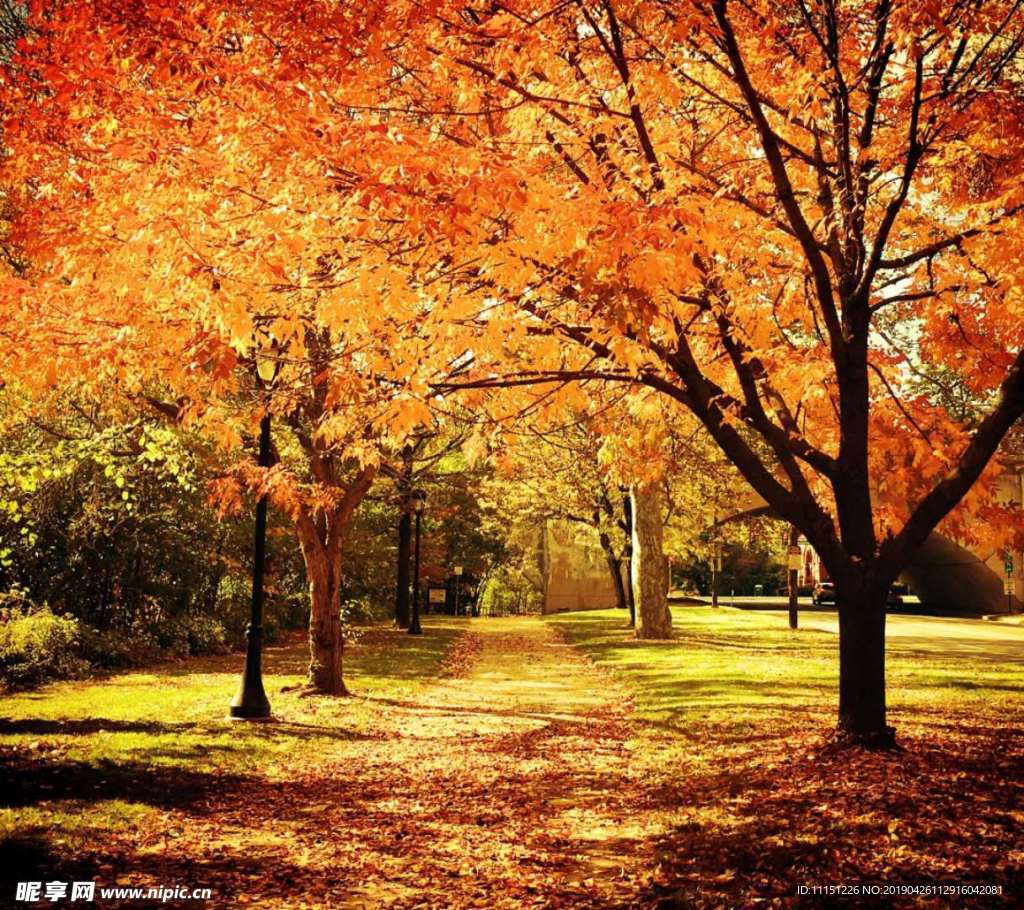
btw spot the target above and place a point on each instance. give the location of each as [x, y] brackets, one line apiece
[172, 231]
[598, 455]
[558, 475]
[735, 205]
[426, 457]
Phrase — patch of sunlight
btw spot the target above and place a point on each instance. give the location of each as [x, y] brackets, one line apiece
[74, 822]
[736, 668]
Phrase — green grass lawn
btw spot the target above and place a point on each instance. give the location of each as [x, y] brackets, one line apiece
[734, 716]
[737, 666]
[83, 761]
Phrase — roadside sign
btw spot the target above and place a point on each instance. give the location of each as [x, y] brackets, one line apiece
[1008, 564]
[437, 595]
[794, 558]
[1008, 587]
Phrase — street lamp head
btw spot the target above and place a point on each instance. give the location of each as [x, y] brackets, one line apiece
[419, 500]
[266, 367]
[268, 359]
[458, 571]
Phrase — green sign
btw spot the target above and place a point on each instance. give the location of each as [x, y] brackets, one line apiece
[1008, 563]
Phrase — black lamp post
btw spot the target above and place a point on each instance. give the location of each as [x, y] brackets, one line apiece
[419, 499]
[716, 568]
[251, 702]
[458, 587]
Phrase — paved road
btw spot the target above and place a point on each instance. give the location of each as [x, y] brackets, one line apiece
[974, 638]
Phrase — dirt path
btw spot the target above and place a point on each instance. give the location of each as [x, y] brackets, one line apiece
[518, 791]
[508, 785]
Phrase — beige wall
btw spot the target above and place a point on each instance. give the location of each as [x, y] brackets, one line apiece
[575, 572]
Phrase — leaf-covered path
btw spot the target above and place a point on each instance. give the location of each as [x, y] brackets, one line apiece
[507, 783]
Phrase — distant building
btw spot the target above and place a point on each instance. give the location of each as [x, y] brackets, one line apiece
[574, 570]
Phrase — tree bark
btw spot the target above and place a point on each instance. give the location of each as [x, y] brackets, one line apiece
[402, 612]
[321, 536]
[615, 568]
[326, 642]
[862, 711]
[653, 619]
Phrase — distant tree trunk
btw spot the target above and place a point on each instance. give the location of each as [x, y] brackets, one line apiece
[792, 578]
[216, 574]
[653, 619]
[615, 568]
[627, 514]
[402, 612]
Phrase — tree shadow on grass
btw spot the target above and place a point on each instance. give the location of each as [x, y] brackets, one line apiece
[276, 730]
[39, 726]
[943, 812]
[27, 779]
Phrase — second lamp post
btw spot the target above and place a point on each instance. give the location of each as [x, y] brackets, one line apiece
[419, 499]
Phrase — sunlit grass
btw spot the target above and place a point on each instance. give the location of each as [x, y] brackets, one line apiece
[733, 666]
[91, 745]
[733, 718]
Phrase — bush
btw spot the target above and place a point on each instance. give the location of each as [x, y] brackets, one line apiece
[203, 634]
[110, 649]
[38, 646]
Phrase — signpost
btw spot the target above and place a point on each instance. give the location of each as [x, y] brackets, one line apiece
[458, 586]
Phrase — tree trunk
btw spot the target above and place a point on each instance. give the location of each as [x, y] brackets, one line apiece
[326, 643]
[402, 613]
[793, 579]
[653, 619]
[862, 719]
[615, 568]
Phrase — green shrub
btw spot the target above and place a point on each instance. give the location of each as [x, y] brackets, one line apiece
[111, 649]
[38, 646]
[203, 634]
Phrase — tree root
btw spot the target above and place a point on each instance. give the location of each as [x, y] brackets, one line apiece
[872, 741]
[308, 690]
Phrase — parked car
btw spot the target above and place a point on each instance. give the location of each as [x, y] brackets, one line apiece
[894, 599]
[824, 593]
